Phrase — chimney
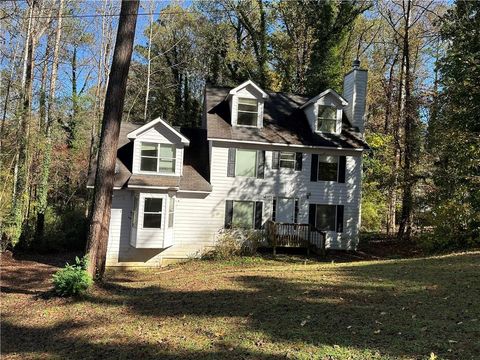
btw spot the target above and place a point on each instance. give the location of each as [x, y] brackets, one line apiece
[355, 92]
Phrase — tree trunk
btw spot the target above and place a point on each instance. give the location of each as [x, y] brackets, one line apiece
[112, 117]
[42, 195]
[149, 61]
[405, 227]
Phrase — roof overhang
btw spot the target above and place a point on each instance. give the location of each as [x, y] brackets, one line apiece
[133, 135]
[245, 84]
[287, 145]
[313, 100]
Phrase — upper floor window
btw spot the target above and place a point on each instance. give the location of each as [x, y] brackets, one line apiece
[327, 168]
[247, 114]
[246, 163]
[287, 160]
[327, 119]
[158, 158]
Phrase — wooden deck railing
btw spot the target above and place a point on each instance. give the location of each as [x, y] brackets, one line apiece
[294, 235]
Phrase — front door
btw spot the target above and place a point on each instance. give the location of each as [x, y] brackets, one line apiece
[285, 210]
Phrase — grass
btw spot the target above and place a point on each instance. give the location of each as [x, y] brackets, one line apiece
[251, 309]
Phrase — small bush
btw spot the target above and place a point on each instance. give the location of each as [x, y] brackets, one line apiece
[231, 243]
[72, 280]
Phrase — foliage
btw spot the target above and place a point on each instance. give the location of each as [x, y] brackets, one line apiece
[377, 181]
[72, 280]
[453, 135]
[231, 243]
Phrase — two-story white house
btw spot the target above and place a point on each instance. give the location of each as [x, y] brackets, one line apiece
[259, 155]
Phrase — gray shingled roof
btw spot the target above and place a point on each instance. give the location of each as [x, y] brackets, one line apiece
[195, 169]
[283, 123]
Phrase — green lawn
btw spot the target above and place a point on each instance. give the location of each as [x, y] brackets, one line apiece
[251, 309]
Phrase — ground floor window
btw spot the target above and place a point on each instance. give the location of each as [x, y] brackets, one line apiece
[326, 217]
[243, 214]
[325, 220]
[152, 213]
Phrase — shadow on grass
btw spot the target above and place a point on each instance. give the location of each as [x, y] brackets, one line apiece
[400, 309]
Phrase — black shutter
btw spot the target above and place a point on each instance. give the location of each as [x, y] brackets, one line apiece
[228, 213]
[314, 168]
[274, 209]
[339, 218]
[258, 214]
[231, 162]
[275, 160]
[260, 164]
[342, 163]
[298, 161]
[312, 214]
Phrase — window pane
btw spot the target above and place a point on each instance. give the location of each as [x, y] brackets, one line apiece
[149, 149]
[327, 125]
[287, 156]
[247, 101]
[246, 163]
[243, 214]
[287, 160]
[170, 220]
[167, 151]
[148, 164]
[247, 118]
[327, 112]
[167, 166]
[153, 205]
[326, 217]
[152, 221]
[327, 168]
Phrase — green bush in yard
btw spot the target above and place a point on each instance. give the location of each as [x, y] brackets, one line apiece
[72, 280]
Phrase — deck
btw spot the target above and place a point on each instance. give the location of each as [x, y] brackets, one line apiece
[295, 235]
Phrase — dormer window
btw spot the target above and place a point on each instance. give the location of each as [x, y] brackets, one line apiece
[327, 119]
[247, 112]
[158, 158]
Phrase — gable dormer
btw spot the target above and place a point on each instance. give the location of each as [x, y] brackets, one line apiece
[158, 149]
[324, 112]
[246, 103]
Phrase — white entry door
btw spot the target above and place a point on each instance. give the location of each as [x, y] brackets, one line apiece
[285, 210]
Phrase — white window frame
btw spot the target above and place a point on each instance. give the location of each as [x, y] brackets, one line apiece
[158, 158]
[239, 99]
[317, 129]
[256, 163]
[294, 160]
[154, 213]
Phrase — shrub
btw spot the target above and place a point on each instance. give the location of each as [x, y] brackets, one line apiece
[72, 280]
[231, 243]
